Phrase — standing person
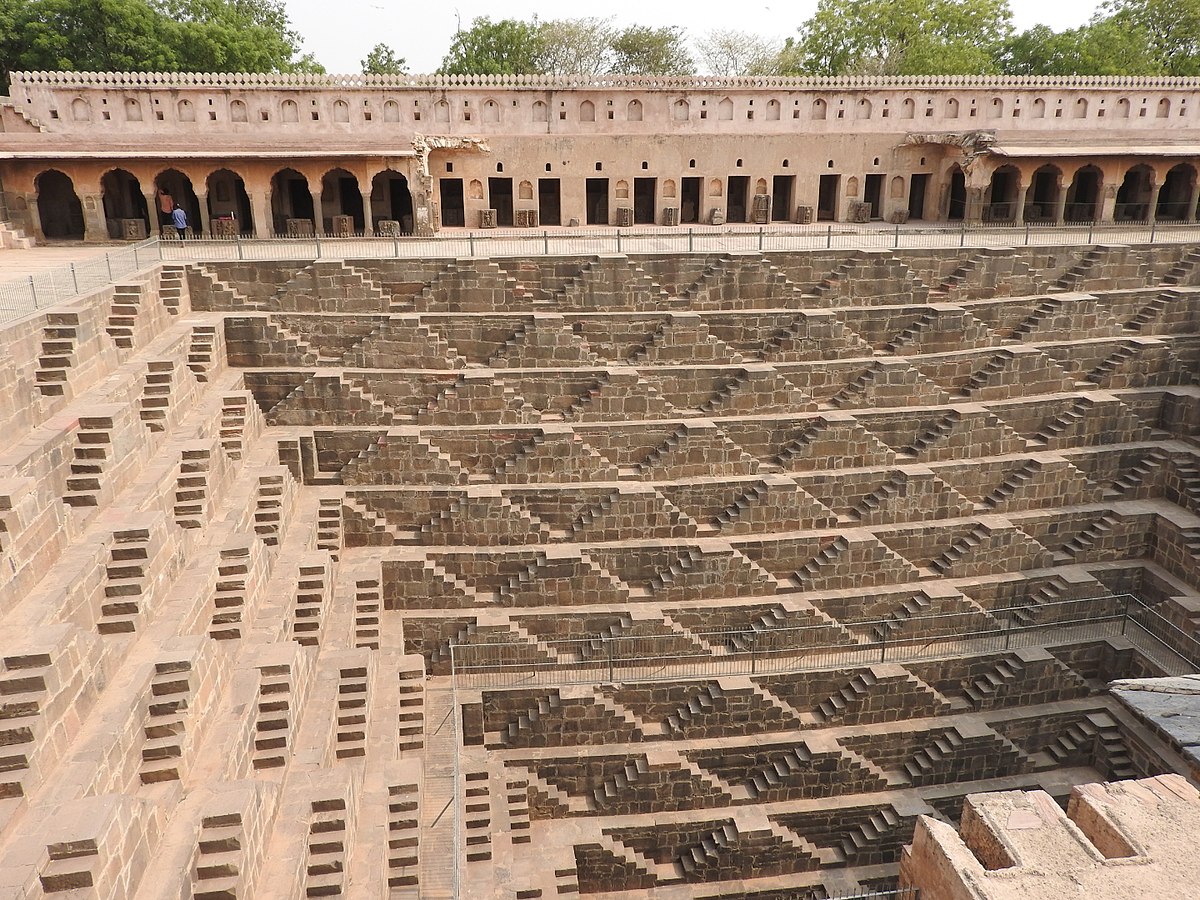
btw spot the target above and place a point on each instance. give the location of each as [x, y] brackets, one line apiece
[166, 205]
[179, 220]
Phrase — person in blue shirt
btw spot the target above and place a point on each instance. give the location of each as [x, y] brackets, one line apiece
[179, 220]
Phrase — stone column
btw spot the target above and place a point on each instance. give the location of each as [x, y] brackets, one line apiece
[318, 213]
[35, 217]
[260, 206]
[1060, 204]
[368, 214]
[1193, 200]
[204, 226]
[974, 211]
[95, 225]
[1019, 211]
[152, 211]
[1152, 212]
[1108, 204]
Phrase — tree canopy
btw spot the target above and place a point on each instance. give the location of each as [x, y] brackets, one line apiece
[639, 50]
[149, 35]
[382, 60]
[506, 47]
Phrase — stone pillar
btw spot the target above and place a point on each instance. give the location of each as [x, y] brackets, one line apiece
[974, 211]
[260, 206]
[1193, 200]
[1108, 204]
[95, 225]
[1019, 211]
[152, 211]
[204, 226]
[318, 213]
[35, 217]
[1152, 212]
[368, 215]
[1060, 204]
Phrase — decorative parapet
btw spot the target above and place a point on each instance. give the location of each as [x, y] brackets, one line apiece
[151, 80]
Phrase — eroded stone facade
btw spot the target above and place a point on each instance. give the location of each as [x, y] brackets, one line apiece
[84, 154]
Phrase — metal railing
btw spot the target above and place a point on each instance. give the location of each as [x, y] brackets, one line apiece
[827, 645]
[49, 287]
[21, 296]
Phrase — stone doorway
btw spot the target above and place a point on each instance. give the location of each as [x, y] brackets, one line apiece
[125, 212]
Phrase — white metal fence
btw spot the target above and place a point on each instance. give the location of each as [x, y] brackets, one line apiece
[21, 296]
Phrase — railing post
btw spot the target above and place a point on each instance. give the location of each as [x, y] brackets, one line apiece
[691, 231]
[618, 240]
[883, 645]
[317, 235]
[238, 239]
[33, 291]
[1007, 631]
[896, 243]
[74, 278]
[136, 264]
[1125, 613]
[1153, 228]
[1026, 234]
[545, 242]
[753, 652]
[760, 236]
[608, 647]
[828, 237]
[962, 235]
[1091, 228]
[108, 260]
[471, 243]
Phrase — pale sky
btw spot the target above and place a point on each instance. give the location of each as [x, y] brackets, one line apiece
[342, 32]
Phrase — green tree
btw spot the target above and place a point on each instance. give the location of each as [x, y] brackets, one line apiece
[641, 50]
[506, 47]
[149, 35]
[1102, 47]
[382, 60]
[905, 37]
[1172, 29]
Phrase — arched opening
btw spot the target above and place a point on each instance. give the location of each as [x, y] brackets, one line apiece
[772, 110]
[391, 201]
[341, 204]
[1164, 108]
[725, 109]
[541, 112]
[634, 111]
[863, 110]
[238, 112]
[820, 109]
[1135, 195]
[185, 111]
[1083, 196]
[391, 111]
[133, 110]
[229, 210]
[1039, 108]
[491, 112]
[1080, 110]
[952, 108]
[441, 111]
[587, 111]
[996, 108]
[173, 188]
[681, 110]
[1041, 200]
[1001, 202]
[58, 206]
[1123, 108]
[1175, 196]
[341, 111]
[125, 211]
[81, 110]
[290, 111]
[291, 203]
[908, 108]
[956, 204]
